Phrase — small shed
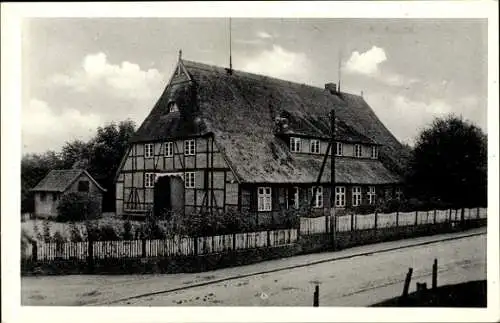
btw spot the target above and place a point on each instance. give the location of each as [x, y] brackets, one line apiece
[52, 187]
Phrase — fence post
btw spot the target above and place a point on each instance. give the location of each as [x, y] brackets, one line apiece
[34, 251]
[234, 241]
[90, 254]
[434, 216]
[352, 221]
[450, 217]
[434, 274]
[462, 216]
[316, 296]
[143, 244]
[195, 245]
[416, 218]
[407, 282]
[376, 218]
[268, 238]
[397, 218]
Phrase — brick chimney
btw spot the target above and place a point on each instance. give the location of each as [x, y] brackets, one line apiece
[332, 87]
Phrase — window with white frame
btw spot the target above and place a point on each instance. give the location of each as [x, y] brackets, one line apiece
[340, 196]
[399, 193]
[172, 107]
[339, 147]
[357, 150]
[315, 146]
[189, 181]
[149, 180]
[190, 147]
[169, 149]
[294, 145]
[318, 197]
[148, 150]
[264, 199]
[356, 196]
[371, 194]
[374, 154]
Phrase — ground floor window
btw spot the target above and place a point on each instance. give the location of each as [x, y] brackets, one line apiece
[399, 193]
[318, 197]
[371, 195]
[149, 180]
[340, 196]
[264, 199]
[356, 196]
[189, 180]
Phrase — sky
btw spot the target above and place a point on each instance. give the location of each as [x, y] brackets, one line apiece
[82, 73]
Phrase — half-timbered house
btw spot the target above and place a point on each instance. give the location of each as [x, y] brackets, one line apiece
[223, 139]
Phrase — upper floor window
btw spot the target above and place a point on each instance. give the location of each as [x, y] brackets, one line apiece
[189, 180]
[149, 179]
[315, 146]
[339, 147]
[318, 197]
[190, 147]
[148, 150]
[264, 199]
[172, 107]
[356, 196]
[83, 186]
[357, 150]
[371, 194]
[169, 149]
[340, 196]
[294, 145]
[43, 196]
[374, 152]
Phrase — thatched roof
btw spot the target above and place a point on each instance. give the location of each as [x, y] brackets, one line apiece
[59, 180]
[241, 109]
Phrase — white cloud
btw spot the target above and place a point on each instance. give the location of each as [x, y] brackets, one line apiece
[42, 129]
[366, 63]
[125, 80]
[263, 34]
[280, 63]
[406, 117]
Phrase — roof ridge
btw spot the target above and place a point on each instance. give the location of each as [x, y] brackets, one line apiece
[205, 66]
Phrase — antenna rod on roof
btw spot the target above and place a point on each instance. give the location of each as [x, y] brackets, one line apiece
[340, 68]
[230, 49]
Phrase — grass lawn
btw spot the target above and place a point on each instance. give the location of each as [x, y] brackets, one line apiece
[470, 294]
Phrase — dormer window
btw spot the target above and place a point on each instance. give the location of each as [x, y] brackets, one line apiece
[374, 154]
[357, 150]
[339, 147]
[294, 145]
[172, 107]
[315, 146]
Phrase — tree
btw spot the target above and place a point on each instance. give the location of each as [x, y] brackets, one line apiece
[449, 164]
[108, 148]
[34, 167]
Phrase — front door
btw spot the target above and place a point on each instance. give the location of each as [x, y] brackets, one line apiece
[162, 201]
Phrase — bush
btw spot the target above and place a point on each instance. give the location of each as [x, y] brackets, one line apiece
[75, 234]
[107, 233]
[127, 231]
[78, 207]
[46, 231]
[58, 237]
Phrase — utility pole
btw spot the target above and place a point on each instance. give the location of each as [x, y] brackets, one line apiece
[333, 221]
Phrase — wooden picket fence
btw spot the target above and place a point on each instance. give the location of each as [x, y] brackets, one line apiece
[353, 222]
[186, 246]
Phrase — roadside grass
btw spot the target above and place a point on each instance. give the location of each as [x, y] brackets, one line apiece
[470, 294]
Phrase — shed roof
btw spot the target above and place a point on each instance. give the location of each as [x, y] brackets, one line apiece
[59, 180]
